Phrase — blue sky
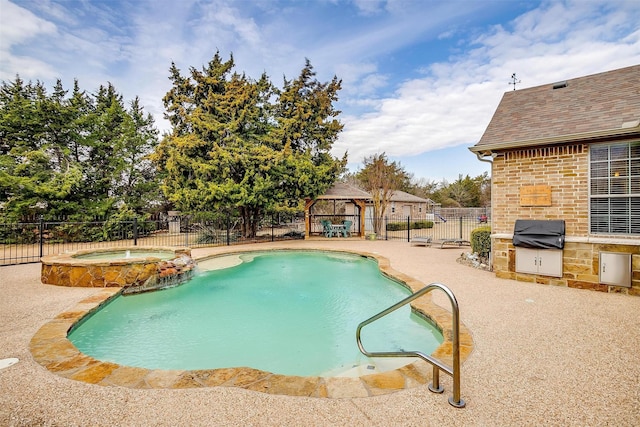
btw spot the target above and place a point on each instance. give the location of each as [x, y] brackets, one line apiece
[421, 78]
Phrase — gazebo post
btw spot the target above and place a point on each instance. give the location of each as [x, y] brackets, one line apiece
[339, 192]
[362, 205]
[307, 217]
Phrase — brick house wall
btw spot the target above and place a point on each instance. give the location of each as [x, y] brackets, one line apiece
[402, 204]
[538, 141]
[400, 209]
[565, 169]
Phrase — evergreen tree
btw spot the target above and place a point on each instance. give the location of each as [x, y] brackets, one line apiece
[463, 192]
[134, 184]
[239, 143]
[28, 179]
[74, 154]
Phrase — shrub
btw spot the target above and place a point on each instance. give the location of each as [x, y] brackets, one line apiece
[421, 224]
[293, 234]
[119, 225]
[396, 226]
[78, 232]
[481, 241]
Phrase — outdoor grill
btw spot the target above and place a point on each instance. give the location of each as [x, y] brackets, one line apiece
[539, 234]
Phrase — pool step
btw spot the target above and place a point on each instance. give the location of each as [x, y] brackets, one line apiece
[372, 366]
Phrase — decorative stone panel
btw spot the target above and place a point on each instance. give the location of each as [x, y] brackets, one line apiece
[137, 274]
[581, 264]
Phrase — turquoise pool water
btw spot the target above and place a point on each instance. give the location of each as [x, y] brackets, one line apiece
[291, 313]
[126, 254]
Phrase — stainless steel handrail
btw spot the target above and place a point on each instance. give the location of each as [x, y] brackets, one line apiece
[454, 371]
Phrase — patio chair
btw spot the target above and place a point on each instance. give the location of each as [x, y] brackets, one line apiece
[421, 241]
[326, 228]
[456, 241]
[347, 227]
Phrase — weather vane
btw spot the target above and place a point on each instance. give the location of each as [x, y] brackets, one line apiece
[515, 81]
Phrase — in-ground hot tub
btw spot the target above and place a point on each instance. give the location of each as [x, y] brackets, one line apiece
[136, 268]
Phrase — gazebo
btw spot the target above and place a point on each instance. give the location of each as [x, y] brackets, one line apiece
[343, 196]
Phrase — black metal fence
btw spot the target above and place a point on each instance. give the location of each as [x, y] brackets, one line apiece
[436, 226]
[27, 242]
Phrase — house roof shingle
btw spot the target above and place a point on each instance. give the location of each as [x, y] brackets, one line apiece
[341, 191]
[587, 108]
[401, 196]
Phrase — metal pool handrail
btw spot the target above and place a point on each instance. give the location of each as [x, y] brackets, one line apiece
[454, 371]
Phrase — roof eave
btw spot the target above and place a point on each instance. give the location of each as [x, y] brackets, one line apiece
[488, 149]
[338, 197]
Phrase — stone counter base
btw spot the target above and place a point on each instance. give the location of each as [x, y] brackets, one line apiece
[580, 261]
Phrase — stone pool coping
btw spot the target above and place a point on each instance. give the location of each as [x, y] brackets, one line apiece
[51, 348]
[67, 269]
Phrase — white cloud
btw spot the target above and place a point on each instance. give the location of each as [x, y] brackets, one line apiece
[368, 7]
[55, 11]
[454, 102]
[450, 104]
[360, 80]
[18, 26]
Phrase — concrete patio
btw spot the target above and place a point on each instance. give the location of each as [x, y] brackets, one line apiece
[543, 355]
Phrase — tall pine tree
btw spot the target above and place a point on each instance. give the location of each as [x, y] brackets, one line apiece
[74, 154]
[241, 144]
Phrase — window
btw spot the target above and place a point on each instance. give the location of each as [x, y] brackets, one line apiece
[614, 190]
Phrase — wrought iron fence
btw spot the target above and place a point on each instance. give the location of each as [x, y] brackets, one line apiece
[28, 241]
[445, 225]
[436, 226]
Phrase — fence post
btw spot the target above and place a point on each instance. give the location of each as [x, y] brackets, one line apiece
[272, 229]
[186, 234]
[408, 228]
[135, 231]
[461, 227]
[228, 230]
[41, 236]
[386, 228]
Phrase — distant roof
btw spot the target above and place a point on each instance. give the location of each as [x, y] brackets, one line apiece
[581, 109]
[341, 191]
[401, 196]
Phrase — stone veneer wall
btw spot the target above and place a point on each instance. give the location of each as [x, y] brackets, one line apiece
[65, 270]
[580, 266]
[98, 275]
[565, 169]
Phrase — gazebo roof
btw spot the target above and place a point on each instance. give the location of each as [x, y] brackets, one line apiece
[342, 191]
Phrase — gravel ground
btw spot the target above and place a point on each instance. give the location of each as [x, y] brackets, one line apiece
[543, 355]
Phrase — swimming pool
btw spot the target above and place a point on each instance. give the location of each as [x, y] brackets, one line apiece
[287, 312]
